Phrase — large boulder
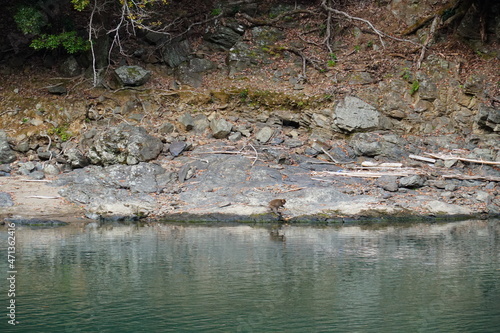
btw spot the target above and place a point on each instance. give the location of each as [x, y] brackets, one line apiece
[220, 128]
[124, 144]
[132, 75]
[488, 118]
[7, 155]
[354, 115]
[223, 37]
[191, 72]
[176, 52]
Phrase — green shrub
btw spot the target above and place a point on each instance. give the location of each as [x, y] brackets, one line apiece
[30, 20]
[68, 40]
[414, 87]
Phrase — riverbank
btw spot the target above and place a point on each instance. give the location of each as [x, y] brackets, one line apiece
[216, 125]
[219, 181]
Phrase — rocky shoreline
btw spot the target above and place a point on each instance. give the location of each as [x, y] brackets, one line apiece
[125, 173]
[215, 126]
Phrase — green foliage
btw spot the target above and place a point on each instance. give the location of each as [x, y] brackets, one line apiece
[406, 74]
[216, 12]
[80, 4]
[333, 60]
[243, 94]
[68, 40]
[61, 132]
[29, 20]
[369, 44]
[414, 87]
[357, 48]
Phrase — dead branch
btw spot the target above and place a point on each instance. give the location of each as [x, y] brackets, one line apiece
[330, 156]
[372, 27]
[465, 177]
[305, 60]
[402, 173]
[429, 39]
[458, 158]
[423, 159]
[423, 21]
[255, 150]
[221, 152]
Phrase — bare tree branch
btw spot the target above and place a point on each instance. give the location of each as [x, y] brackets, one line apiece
[378, 32]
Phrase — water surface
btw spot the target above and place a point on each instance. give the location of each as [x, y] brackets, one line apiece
[241, 278]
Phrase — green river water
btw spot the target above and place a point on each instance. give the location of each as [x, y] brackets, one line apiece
[419, 277]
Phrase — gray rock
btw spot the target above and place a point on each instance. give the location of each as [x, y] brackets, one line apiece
[123, 144]
[176, 52]
[428, 90]
[488, 118]
[105, 201]
[220, 128]
[265, 35]
[7, 155]
[201, 123]
[223, 37]
[75, 158]
[22, 147]
[132, 75]
[177, 147]
[5, 168]
[353, 114]
[443, 208]
[483, 196]
[388, 183]
[264, 134]
[6, 200]
[37, 175]
[70, 67]
[26, 168]
[45, 155]
[187, 121]
[360, 78]
[412, 181]
[236, 136]
[190, 73]
[186, 172]
[241, 56]
[474, 84]
[166, 128]
[51, 169]
[57, 90]
[293, 143]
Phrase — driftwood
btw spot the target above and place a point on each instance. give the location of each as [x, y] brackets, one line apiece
[465, 177]
[37, 180]
[423, 159]
[363, 174]
[458, 158]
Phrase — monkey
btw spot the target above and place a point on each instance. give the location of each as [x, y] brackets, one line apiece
[276, 204]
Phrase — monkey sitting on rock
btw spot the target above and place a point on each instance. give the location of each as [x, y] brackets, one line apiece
[276, 204]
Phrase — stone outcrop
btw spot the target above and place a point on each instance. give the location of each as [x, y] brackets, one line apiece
[352, 115]
[125, 144]
[7, 155]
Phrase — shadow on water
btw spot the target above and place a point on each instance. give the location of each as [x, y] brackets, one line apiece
[139, 276]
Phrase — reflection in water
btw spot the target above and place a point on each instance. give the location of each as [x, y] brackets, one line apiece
[240, 278]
